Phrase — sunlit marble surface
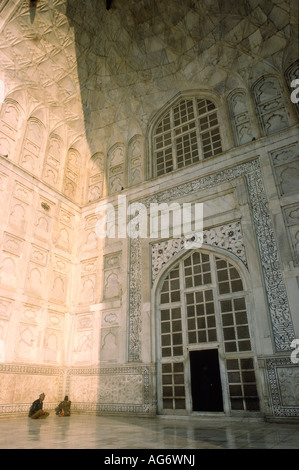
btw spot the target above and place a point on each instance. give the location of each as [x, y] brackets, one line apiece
[102, 432]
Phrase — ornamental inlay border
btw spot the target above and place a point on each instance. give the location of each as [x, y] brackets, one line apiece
[283, 332]
[126, 370]
[31, 369]
[226, 236]
[146, 409]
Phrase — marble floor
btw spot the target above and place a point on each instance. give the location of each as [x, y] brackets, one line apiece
[111, 432]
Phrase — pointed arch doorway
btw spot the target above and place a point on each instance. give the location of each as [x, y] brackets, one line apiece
[205, 356]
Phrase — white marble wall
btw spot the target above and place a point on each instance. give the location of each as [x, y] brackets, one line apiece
[77, 313]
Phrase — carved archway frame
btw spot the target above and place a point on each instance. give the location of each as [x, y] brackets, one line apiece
[279, 310]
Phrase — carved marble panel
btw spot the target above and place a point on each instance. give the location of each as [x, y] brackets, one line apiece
[83, 346]
[111, 389]
[129, 389]
[283, 379]
[116, 181]
[88, 280]
[64, 230]
[35, 280]
[52, 166]
[285, 164]
[72, 175]
[52, 347]
[26, 345]
[9, 270]
[10, 117]
[84, 321]
[89, 266]
[61, 264]
[51, 175]
[39, 255]
[89, 239]
[10, 122]
[90, 242]
[97, 163]
[90, 222]
[55, 147]
[3, 182]
[12, 244]
[268, 96]
[70, 188]
[288, 379]
[240, 117]
[64, 238]
[7, 145]
[135, 161]
[112, 285]
[291, 217]
[96, 177]
[6, 305]
[112, 276]
[110, 318]
[95, 190]
[116, 168]
[42, 227]
[21, 384]
[55, 320]
[33, 143]
[83, 389]
[66, 217]
[59, 280]
[109, 348]
[30, 314]
[3, 334]
[18, 215]
[73, 160]
[23, 193]
[88, 289]
[58, 289]
[112, 260]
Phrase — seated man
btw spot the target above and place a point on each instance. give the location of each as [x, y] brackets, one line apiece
[36, 409]
[64, 407]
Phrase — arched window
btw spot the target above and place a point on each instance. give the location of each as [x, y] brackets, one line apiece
[202, 313]
[187, 133]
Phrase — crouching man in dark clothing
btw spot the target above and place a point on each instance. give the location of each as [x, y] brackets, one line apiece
[64, 407]
[36, 409]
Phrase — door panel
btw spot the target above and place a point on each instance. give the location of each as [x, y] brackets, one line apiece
[206, 387]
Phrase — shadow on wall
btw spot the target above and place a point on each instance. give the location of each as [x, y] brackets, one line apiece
[33, 4]
[105, 42]
[135, 56]
[132, 58]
